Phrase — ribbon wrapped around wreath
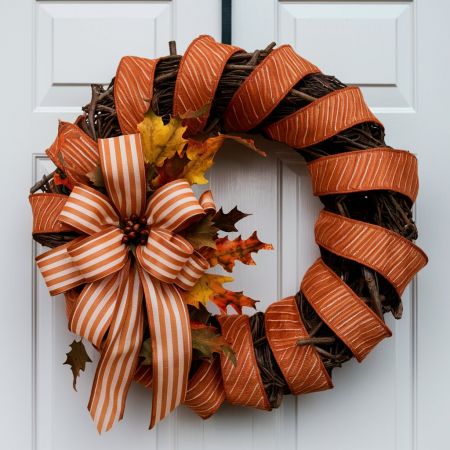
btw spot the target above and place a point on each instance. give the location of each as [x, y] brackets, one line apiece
[131, 250]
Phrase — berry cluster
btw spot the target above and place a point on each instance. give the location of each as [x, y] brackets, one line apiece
[135, 230]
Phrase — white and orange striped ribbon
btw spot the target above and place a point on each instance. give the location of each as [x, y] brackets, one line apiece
[164, 255]
[173, 206]
[94, 309]
[99, 255]
[123, 169]
[119, 359]
[108, 310]
[171, 345]
[58, 270]
[207, 202]
[88, 210]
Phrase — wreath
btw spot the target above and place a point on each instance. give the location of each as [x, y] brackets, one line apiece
[131, 244]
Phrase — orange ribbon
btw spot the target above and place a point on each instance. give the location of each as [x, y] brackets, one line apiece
[109, 312]
[109, 302]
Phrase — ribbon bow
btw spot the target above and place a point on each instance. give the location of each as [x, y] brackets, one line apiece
[131, 251]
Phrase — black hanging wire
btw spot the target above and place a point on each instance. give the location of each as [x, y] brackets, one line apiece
[226, 21]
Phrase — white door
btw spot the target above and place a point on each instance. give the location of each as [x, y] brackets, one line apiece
[52, 50]
[397, 51]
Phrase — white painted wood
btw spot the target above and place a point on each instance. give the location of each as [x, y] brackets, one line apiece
[69, 36]
[397, 399]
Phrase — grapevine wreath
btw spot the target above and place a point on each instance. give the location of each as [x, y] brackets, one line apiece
[131, 245]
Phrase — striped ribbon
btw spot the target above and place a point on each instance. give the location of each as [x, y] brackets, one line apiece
[109, 310]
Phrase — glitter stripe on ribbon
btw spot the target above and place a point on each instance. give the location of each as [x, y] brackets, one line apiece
[366, 170]
[198, 76]
[133, 91]
[265, 87]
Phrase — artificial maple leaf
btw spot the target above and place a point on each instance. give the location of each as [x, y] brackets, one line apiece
[227, 252]
[171, 170]
[234, 299]
[226, 222]
[206, 340]
[199, 313]
[210, 288]
[146, 352]
[249, 143]
[77, 358]
[201, 158]
[201, 155]
[202, 233]
[205, 289]
[160, 141]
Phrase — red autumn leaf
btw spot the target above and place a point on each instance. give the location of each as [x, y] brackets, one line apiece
[227, 252]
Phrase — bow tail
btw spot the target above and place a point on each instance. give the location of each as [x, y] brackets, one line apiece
[119, 358]
[171, 345]
[94, 309]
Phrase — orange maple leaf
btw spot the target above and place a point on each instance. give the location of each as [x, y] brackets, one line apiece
[209, 288]
[234, 299]
[227, 252]
[201, 155]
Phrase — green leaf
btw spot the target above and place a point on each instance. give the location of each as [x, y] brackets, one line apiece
[207, 341]
[202, 233]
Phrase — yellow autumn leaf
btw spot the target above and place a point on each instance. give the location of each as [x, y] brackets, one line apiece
[201, 158]
[201, 155]
[206, 288]
[159, 141]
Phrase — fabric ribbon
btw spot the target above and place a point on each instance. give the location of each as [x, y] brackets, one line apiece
[109, 311]
[116, 276]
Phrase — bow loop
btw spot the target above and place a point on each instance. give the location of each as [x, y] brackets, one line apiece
[191, 272]
[173, 206]
[165, 255]
[122, 163]
[99, 255]
[88, 210]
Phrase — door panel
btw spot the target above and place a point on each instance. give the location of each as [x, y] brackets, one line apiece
[398, 398]
[394, 50]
